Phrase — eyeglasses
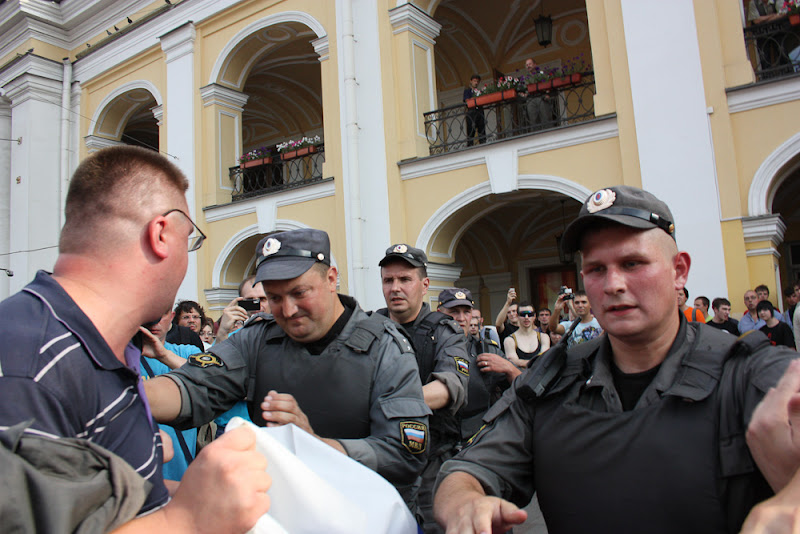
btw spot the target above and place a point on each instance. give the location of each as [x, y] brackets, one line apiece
[195, 240]
[526, 313]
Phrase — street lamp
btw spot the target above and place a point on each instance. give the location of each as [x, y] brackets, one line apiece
[544, 28]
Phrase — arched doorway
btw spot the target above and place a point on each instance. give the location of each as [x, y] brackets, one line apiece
[130, 115]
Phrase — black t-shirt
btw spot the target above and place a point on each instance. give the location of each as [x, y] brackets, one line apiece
[316, 347]
[728, 326]
[508, 329]
[630, 386]
[182, 335]
[780, 334]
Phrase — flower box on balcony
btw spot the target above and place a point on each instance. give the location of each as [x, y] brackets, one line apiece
[491, 98]
[794, 19]
[292, 154]
[561, 82]
[255, 163]
[544, 86]
[576, 78]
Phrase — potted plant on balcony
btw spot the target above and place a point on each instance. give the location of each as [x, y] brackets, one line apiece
[294, 148]
[538, 77]
[792, 7]
[256, 157]
[571, 72]
[505, 88]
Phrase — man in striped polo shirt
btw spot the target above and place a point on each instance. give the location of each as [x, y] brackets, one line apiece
[67, 364]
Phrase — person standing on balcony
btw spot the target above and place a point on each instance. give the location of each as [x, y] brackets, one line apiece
[476, 122]
[538, 108]
[762, 11]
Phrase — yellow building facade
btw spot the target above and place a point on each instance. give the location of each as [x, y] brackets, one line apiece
[681, 101]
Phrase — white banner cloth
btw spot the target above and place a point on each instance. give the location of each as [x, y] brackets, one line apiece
[317, 489]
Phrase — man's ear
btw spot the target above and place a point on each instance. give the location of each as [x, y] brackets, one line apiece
[156, 237]
[333, 276]
[681, 263]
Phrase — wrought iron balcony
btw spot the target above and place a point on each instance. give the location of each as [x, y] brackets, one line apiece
[277, 175]
[457, 127]
[773, 49]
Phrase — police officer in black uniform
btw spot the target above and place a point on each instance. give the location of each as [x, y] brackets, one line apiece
[490, 372]
[442, 358]
[318, 361]
[639, 430]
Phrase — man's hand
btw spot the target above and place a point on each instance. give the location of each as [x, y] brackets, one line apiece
[773, 434]
[778, 515]
[511, 296]
[230, 315]
[282, 409]
[552, 323]
[494, 363]
[224, 490]
[462, 508]
[153, 348]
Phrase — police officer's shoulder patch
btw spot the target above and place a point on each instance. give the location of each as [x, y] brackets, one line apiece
[414, 436]
[205, 359]
[462, 364]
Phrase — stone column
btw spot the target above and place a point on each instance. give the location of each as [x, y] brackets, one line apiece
[34, 195]
[5, 193]
[179, 108]
[222, 144]
[762, 237]
[415, 89]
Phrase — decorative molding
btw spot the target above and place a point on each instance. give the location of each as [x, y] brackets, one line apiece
[218, 297]
[763, 252]
[586, 132]
[769, 175]
[31, 65]
[763, 94]
[764, 228]
[223, 96]
[408, 17]
[95, 143]
[179, 42]
[287, 16]
[442, 271]
[284, 198]
[322, 48]
[120, 91]
[158, 113]
[31, 87]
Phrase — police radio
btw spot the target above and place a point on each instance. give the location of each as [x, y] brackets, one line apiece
[546, 369]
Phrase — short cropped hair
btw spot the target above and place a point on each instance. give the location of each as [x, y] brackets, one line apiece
[580, 293]
[762, 287]
[788, 291]
[115, 182]
[525, 304]
[704, 300]
[766, 305]
[243, 283]
[720, 301]
[475, 76]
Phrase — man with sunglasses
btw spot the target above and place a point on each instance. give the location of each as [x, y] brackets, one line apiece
[69, 374]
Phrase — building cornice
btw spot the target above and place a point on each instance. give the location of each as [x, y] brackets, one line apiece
[223, 96]
[764, 228]
[408, 17]
[322, 47]
[179, 42]
[31, 65]
[763, 94]
[95, 142]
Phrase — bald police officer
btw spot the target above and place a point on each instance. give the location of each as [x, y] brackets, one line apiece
[318, 361]
[441, 356]
[641, 429]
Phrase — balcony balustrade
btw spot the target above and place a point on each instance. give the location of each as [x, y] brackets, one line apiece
[447, 129]
[277, 175]
[773, 49]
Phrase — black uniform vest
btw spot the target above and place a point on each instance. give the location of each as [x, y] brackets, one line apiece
[685, 459]
[288, 366]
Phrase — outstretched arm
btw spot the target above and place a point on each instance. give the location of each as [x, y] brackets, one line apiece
[500, 320]
[461, 506]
